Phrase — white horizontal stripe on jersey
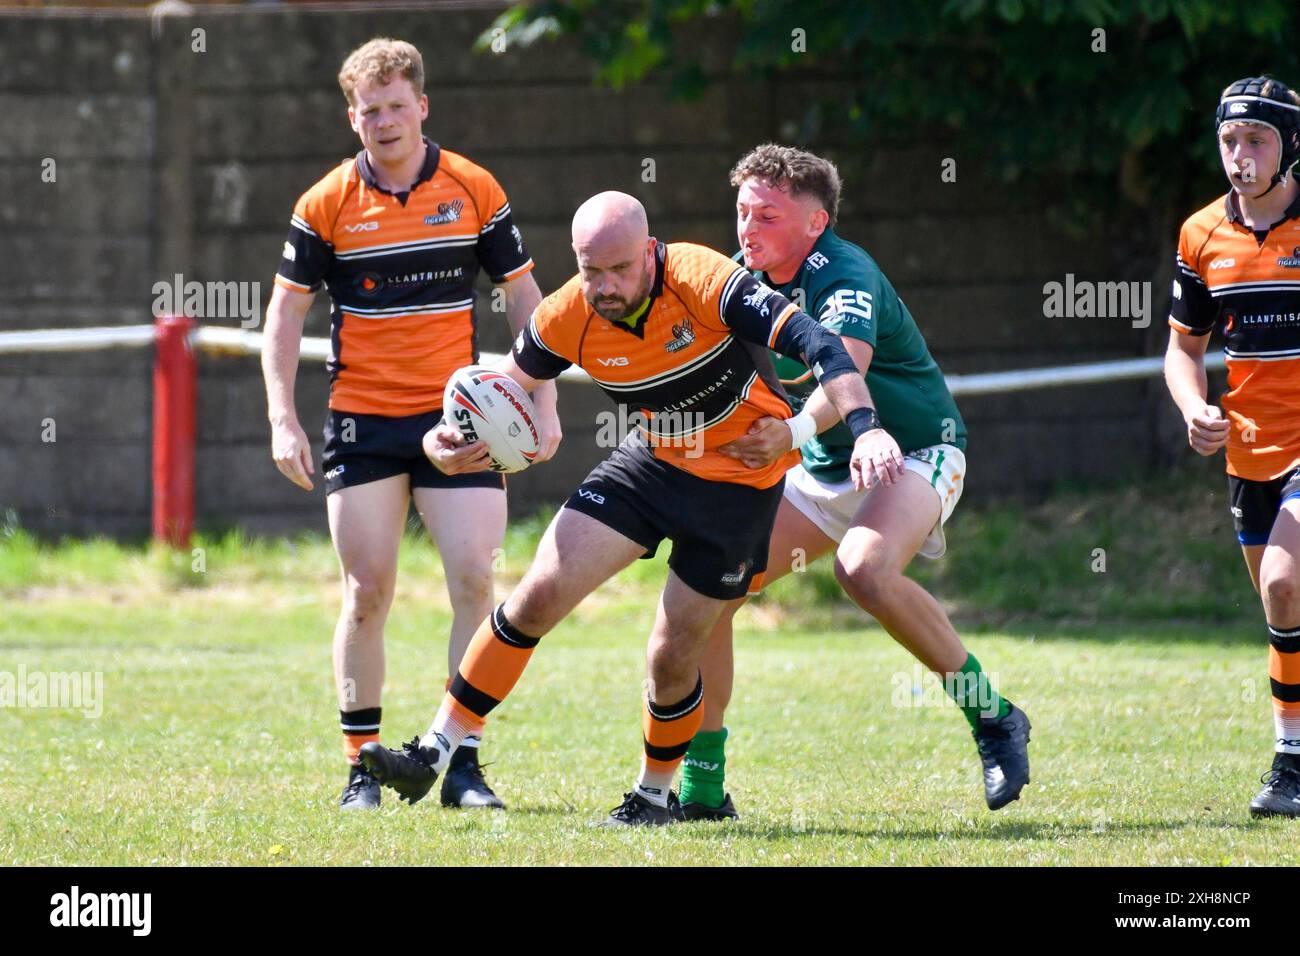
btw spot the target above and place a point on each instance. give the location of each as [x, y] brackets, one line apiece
[445, 242]
[434, 307]
[1262, 285]
[664, 377]
[715, 420]
[1277, 355]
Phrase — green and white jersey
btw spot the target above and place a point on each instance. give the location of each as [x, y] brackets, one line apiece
[843, 288]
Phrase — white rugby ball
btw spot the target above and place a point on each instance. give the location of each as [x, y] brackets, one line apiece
[490, 406]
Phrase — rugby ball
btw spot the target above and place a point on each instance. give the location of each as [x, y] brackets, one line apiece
[490, 406]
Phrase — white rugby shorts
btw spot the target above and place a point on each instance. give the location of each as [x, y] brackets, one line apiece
[831, 506]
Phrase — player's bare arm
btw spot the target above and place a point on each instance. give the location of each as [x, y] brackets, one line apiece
[770, 438]
[786, 329]
[876, 456]
[1207, 429]
[818, 407]
[757, 313]
[290, 448]
[881, 456]
[522, 297]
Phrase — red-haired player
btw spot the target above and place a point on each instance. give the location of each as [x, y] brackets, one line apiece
[397, 234]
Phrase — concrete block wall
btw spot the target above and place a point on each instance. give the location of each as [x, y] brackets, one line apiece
[175, 161]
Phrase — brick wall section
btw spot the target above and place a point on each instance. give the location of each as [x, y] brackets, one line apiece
[174, 161]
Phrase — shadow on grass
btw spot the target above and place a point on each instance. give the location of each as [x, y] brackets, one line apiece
[549, 810]
[1006, 830]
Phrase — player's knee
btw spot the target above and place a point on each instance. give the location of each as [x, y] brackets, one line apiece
[366, 594]
[470, 587]
[864, 576]
[669, 665]
[1278, 587]
[534, 606]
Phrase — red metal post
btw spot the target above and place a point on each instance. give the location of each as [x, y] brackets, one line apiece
[174, 378]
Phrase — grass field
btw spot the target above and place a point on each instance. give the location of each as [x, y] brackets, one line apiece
[218, 743]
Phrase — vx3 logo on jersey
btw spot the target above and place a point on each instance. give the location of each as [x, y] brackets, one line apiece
[370, 226]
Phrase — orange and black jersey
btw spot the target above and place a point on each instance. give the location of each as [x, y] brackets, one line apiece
[1250, 282]
[695, 364]
[400, 270]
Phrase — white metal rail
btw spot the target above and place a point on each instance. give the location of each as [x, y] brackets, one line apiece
[229, 341]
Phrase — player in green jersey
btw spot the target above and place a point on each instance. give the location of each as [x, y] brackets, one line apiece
[785, 209]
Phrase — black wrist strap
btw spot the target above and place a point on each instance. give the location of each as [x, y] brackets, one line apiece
[862, 420]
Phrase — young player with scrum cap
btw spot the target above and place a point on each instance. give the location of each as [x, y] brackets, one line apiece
[1238, 268]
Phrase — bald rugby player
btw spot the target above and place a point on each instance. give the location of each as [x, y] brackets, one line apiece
[681, 334]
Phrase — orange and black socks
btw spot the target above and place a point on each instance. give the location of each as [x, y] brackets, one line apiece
[493, 662]
[359, 727]
[667, 730]
[1284, 681]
